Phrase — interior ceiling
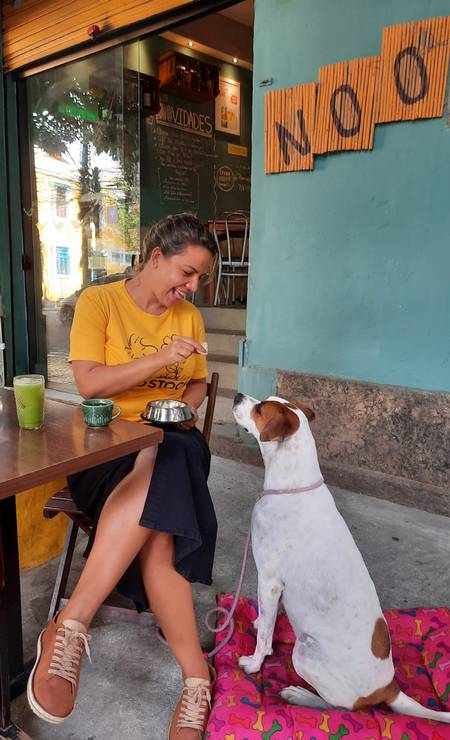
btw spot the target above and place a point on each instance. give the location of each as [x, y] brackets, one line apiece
[241, 13]
[220, 39]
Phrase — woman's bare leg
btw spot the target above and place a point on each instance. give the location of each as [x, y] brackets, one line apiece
[118, 540]
[170, 597]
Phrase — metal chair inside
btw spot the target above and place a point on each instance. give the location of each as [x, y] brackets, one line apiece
[231, 232]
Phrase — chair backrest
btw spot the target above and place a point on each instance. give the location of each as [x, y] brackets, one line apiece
[232, 227]
[2, 570]
[211, 394]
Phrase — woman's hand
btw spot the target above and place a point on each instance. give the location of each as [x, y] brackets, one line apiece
[192, 422]
[194, 396]
[180, 350]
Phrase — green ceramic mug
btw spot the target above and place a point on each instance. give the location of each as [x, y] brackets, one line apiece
[98, 412]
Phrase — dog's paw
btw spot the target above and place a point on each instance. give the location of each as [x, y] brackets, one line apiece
[302, 697]
[250, 664]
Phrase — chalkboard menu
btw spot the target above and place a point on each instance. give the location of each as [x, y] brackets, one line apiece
[187, 166]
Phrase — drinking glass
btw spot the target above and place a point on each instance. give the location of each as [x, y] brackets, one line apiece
[29, 395]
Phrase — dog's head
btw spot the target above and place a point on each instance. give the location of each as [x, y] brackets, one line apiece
[272, 420]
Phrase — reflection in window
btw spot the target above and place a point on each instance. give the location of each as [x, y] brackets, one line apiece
[83, 124]
[96, 274]
[112, 217]
[121, 258]
[62, 261]
[61, 201]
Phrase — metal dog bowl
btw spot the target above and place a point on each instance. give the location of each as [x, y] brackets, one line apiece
[167, 411]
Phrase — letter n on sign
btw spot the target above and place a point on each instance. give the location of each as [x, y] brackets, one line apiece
[414, 65]
[345, 108]
[289, 128]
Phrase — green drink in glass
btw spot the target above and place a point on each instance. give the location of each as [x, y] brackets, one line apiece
[29, 395]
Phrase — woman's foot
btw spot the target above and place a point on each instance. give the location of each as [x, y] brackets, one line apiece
[192, 711]
[53, 683]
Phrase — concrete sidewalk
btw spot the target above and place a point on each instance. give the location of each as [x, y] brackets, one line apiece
[132, 686]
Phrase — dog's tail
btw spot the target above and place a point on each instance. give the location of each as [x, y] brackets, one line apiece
[403, 704]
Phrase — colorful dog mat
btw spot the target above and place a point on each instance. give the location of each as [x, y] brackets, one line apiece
[250, 707]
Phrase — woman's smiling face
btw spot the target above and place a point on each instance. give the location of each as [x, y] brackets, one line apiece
[177, 276]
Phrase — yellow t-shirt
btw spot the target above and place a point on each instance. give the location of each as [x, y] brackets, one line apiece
[109, 328]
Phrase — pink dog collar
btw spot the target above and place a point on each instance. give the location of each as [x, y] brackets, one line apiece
[305, 489]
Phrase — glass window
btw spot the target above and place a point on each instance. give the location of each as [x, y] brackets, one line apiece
[62, 261]
[83, 122]
[61, 200]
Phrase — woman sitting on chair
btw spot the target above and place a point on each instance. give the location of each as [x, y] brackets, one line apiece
[154, 523]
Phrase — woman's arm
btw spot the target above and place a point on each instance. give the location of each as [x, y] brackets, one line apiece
[194, 395]
[96, 380]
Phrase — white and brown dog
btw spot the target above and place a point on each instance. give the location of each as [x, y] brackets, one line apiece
[306, 556]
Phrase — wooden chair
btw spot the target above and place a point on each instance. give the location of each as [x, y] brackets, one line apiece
[62, 503]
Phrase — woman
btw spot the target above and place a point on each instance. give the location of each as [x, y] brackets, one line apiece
[154, 523]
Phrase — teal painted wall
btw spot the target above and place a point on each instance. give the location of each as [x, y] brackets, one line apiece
[350, 263]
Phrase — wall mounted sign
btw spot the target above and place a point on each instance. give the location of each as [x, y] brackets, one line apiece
[408, 81]
[345, 109]
[290, 114]
[225, 179]
[414, 61]
[185, 119]
[228, 107]
[237, 150]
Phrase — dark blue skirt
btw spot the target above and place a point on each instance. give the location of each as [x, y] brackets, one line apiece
[178, 502]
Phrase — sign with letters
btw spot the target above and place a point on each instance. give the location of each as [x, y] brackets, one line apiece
[408, 81]
[290, 117]
[414, 61]
[345, 110]
[185, 119]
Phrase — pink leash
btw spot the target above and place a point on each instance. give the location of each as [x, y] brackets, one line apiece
[229, 621]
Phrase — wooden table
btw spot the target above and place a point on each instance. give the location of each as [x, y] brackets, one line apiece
[64, 445]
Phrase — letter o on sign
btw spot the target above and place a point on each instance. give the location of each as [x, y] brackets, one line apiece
[405, 81]
[342, 115]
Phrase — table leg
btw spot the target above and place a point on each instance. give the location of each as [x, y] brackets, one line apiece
[11, 649]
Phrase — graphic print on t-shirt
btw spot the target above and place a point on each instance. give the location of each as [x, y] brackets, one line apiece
[170, 377]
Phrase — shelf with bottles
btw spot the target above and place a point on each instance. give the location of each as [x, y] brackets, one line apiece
[187, 77]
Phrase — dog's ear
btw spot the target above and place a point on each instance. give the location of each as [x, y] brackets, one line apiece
[309, 413]
[283, 423]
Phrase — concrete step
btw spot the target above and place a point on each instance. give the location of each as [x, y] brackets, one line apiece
[223, 412]
[228, 371]
[229, 318]
[224, 342]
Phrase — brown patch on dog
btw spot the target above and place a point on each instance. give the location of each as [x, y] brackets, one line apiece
[274, 421]
[309, 413]
[386, 695]
[381, 642]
